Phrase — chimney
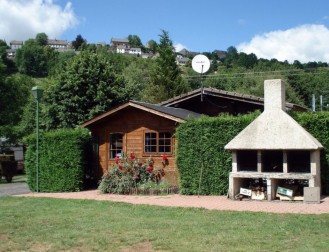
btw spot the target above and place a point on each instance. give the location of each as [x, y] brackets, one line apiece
[274, 95]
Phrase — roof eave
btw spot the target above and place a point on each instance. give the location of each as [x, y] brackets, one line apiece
[132, 104]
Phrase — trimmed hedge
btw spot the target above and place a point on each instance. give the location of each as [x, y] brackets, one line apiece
[318, 125]
[204, 139]
[62, 160]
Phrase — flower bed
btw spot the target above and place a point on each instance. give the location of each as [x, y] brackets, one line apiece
[130, 174]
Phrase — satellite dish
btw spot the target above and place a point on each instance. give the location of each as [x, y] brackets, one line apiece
[200, 64]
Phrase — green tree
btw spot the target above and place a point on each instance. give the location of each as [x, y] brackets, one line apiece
[135, 41]
[166, 73]
[41, 39]
[15, 91]
[152, 45]
[78, 42]
[86, 87]
[30, 59]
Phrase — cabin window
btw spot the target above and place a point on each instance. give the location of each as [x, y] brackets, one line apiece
[115, 144]
[157, 142]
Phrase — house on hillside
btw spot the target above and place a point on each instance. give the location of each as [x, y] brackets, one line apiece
[14, 45]
[181, 61]
[115, 42]
[58, 44]
[149, 129]
[123, 46]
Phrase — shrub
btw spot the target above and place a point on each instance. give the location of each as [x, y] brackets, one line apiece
[201, 146]
[62, 160]
[129, 172]
[318, 125]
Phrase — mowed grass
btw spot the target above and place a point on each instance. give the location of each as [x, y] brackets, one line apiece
[44, 224]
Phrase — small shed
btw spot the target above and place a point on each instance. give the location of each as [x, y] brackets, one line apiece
[145, 129]
[274, 150]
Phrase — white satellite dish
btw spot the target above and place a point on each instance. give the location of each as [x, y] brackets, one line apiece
[200, 64]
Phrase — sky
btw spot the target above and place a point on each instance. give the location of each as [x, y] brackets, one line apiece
[285, 30]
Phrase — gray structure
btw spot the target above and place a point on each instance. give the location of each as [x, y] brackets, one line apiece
[274, 148]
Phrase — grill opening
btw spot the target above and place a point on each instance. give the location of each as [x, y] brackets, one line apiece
[272, 161]
[299, 161]
[247, 160]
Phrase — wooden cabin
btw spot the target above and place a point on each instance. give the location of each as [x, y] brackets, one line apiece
[147, 130]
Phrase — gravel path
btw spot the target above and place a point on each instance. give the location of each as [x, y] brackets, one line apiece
[208, 202]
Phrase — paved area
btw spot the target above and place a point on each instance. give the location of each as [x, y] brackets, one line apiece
[208, 202]
[18, 186]
[13, 189]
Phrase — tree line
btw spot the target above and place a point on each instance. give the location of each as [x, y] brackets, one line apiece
[82, 84]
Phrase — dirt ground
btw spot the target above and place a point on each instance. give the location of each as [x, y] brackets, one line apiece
[207, 202]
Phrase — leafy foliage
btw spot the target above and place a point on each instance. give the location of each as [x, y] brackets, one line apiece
[15, 91]
[62, 160]
[30, 59]
[201, 146]
[318, 125]
[87, 86]
[78, 42]
[166, 75]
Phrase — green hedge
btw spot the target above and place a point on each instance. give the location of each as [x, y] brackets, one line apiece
[204, 140]
[62, 160]
[318, 125]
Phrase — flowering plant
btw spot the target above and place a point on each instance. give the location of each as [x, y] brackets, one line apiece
[128, 172]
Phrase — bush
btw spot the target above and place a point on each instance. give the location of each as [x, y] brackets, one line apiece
[130, 172]
[318, 125]
[201, 146]
[62, 160]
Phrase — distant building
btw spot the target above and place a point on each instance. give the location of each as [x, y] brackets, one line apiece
[115, 42]
[58, 44]
[123, 46]
[14, 45]
[136, 51]
[220, 54]
[181, 61]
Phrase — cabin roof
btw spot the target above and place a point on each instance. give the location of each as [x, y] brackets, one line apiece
[175, 114]
[226, 95]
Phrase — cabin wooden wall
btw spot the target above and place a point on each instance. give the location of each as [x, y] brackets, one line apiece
[133, 123]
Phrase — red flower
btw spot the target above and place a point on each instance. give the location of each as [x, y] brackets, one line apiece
[132, 156]
[164, 158]
[135, 176]
[117, 159]
[135, 167]
[150, 169]
[120, 167]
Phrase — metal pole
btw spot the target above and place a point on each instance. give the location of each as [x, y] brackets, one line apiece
[37, 150]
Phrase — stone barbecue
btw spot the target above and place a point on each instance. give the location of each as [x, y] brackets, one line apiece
[274, 151]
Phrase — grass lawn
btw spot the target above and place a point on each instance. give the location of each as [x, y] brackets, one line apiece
[42, 224]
